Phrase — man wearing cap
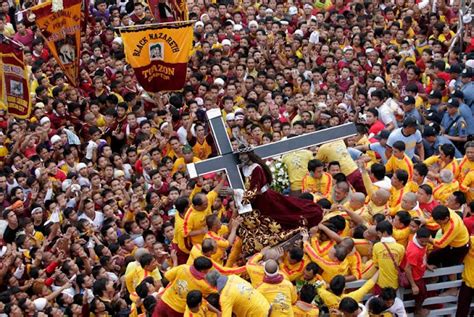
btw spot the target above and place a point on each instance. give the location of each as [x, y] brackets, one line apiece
[434, 99]
[453, 125]
[464, 111]
[410, 109]
[468, 87]
[432, 141]
[411, 136]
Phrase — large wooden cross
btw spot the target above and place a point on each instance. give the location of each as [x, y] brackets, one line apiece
[227, 160]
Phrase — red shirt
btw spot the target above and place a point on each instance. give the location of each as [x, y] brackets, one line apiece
[469, 223]
[376, 127]
[416, 257]
[429, 206]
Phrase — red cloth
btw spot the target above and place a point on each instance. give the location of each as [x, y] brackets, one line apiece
[416, 257]
[163, 310]
[355, 179]
[469, 223]
[428, 207]
[182, 257]
[285, 210]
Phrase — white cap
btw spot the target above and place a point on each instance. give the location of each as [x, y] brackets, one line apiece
[44, 120]
[55, 138]
[199, 101]
[470, 63]
[230, 117]
[40, 303]
[379, 80]
[347, 48]
[299, 33]
[219, 81]
[369, 50]
[307, 6]
[238, 27]
[284, 22]
[253, 22]
[118, 173]
[81, 166]
[268, 11]
[292, 10]
[226, 42]
[65, 185]
[39, 105]
[118, 40]
[198, 23]
[239, 110]
[467, 18]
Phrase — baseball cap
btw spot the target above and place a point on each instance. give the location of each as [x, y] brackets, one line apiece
[292, 10]
[457, 94]
[409, 100]
[384, 134]
[44, 120]
[429, 131]
[81, 166]
[379, 79]
[466, 73]
[410, 122]
[55, 138]
[434, 117]
[455, 69]
[453, 103]
[187, 149]
[435, 94]
[226, 42]
[230, 117]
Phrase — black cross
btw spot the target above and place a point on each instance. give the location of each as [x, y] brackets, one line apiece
[227, 160]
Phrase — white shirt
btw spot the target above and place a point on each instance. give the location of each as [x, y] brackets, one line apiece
[98, 219]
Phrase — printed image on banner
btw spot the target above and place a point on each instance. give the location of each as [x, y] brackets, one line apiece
[159, 54]
[16, 94]
[62, 32]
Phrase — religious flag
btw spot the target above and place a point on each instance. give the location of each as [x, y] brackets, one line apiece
[62, 33]
[174, 10]
[14, 86]
[159, 54]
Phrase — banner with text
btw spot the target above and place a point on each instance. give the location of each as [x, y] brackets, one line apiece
[62, 33]
[14, 87]
[159, 54]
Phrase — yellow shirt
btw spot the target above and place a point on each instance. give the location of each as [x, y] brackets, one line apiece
[204, 311]
[321, 248]
[332, 300]
[293, 271]
[330, 268]
[453, 166]
[468, 272]
[222, 245]
[239, 297]
[405, 164]
[321, 186]
[467, 186]
[413, 186]
[196, 252]
[179, 237]
[337, 151]
[455, 233]
[443, 191]
[401, 235]
[180, 166]
[388, 272]
[395, 200]
[297, 165]
[464, 168]
[135, 277]
[281, 297]
[302, 309]
[195, 220]
[181, 282]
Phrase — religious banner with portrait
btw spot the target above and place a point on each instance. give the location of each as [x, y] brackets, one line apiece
[14, 88]
[62, 33]
[159, 54]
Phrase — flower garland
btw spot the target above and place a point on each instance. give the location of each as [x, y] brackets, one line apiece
[279, 171]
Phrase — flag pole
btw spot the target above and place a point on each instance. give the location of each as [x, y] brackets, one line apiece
[154, 24]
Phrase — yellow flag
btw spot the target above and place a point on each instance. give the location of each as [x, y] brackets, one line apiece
[159, 54]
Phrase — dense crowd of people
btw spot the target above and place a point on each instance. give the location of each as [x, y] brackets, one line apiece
[99, 216]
